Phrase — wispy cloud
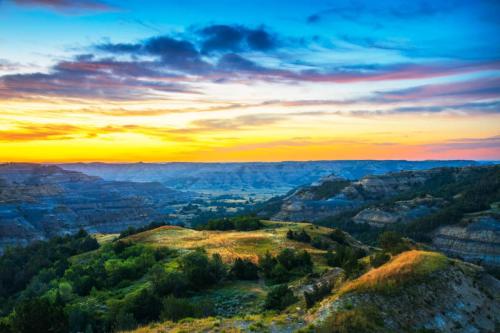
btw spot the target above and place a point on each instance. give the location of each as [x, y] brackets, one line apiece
[68, 6]
[356, 10]
[466, 144]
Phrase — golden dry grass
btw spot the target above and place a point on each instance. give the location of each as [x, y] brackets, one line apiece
[405, 266]
[209, 324]
[105, 238]
[231, 244]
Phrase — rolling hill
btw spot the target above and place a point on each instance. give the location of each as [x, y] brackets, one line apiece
[279, 277]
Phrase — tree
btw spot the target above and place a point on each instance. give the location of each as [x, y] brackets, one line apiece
[319, 243]
[288, 264]
[244, 269]
[125, 321]
[218, 269]
[168, 283]
[379, 258]
[392, 241]
[145, 306]
[338, 236]
[279, 298]
[196, 268]
[347, 258]
[287, 258]
[267, 263]
[201, 272]
[303, 236]
[39, 315]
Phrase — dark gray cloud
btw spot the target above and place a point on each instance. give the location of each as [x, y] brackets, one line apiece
[175, 53]
[192, 55]
[235, 38]
[235, 62]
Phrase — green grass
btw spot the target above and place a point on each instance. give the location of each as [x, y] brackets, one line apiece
[235, 298]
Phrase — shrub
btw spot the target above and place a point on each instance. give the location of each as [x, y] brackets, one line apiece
[132, 231]
[168, 283]
[347, 258]
[279, 298]
[244, 269]
[392, 241]
[319, 243]
[240, 223]
[287, 265]
[145, 306]
[301, 236]
[18, 265]
[267, 263]
[201, 272]
[39, 315]
[338, 236]
[176, 309]
[379, 258]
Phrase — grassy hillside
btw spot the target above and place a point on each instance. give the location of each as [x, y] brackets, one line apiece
[403, 269]
[283, 277]
[234, 244]
[168, 272]
[416, 291]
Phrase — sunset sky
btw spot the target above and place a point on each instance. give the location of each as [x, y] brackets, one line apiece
[189, 80]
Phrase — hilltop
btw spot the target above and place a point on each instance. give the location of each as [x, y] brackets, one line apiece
[236, 244]
[252, 276]
[416, 291]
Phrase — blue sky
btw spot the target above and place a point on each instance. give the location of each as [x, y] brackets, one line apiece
[420, 29]
[219, 70]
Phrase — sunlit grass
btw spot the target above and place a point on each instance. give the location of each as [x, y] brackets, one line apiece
[407, 266]
[233, 244]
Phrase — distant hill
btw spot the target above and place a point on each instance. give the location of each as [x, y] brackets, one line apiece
[453, 209]
[37, 202]
[271, 178]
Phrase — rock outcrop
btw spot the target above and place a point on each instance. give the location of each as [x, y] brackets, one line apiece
[306, 204]
[399, 212]
[476, 239]
[38, 201]
[458, 297]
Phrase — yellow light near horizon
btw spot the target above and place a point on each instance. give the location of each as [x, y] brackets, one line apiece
[248, 134]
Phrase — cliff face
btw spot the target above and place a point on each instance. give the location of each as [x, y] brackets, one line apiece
[476, 239]
[322, 199]
[306, 204]
[399, 212]
[38, 201]
[457, 298]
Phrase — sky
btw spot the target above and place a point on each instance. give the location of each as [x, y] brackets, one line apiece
[161, 81]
